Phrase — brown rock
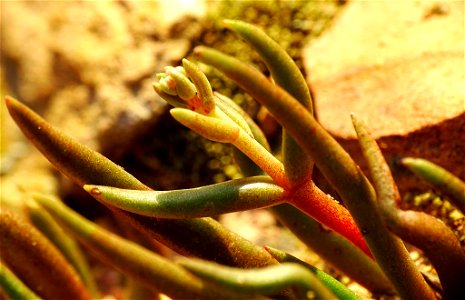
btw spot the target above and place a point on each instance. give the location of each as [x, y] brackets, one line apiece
[400, 67]
[88, 66]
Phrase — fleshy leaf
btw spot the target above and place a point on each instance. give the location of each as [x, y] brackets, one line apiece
[334, 249]
[268, 281]
[283, 69]
[331, 159]
[231, 111]
[185, 89]
[133, 260]
[13, 287]
[174, 101]
[85, 166]
[324, 210]
[286, 74]
[247, 166]
[439, 177]
[236, 195]
[425, 232]
[340, 290]
[29, 254]
[226, 131]
[211, 128]
[68, 247]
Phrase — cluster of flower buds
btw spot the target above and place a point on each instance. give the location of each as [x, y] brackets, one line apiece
[187, 87]
[176, 83]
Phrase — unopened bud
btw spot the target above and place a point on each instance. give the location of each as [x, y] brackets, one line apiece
[184, 87]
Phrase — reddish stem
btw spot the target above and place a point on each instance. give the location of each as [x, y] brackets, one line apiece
[323, 208]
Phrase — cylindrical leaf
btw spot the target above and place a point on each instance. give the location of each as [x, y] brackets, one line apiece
[427, 233]
[13, 287]
[36, 261]
[333, 161]
[68, 247]
[269, 280]
[340, 290]
[286, 74]
[447, 182]
[85, 166]
[211, 200]
[135, 261]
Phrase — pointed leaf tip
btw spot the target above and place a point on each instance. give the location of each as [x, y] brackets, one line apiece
[11, 103]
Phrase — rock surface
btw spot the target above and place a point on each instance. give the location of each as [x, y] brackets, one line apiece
[88, 66]
[400, 67]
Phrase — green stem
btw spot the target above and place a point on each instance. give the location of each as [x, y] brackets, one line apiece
[425, 232]
[440, 178]
[267, 281]
[335, 164]
[334, 249]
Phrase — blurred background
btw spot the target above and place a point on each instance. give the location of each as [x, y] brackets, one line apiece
[88, 66]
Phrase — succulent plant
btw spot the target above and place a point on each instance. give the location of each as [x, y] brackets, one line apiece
[363, 237]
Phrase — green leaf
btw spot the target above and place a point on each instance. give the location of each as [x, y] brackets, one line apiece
[267, 281]
[133, 260]
[283, 69]
[340, 290]
[226, 131]
[85, 166]
[332, 160]
[211, 200]
[286, 74]
[334, 249]
[185, 89]
[225, 104]
[43, 221]
[425, 232]
[439, 177]
[247, 166]
[174, 101]
[30, 255]
[13, 287]
[209, 127]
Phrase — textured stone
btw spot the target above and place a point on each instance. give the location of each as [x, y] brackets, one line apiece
[399, 66]
[88, 66]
